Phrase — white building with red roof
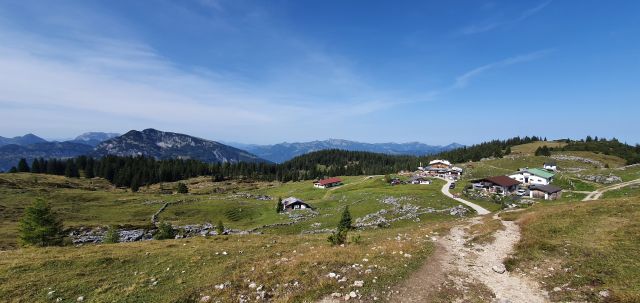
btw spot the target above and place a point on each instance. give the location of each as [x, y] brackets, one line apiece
[326, 183]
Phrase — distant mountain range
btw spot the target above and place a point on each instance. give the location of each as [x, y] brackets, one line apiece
[282, 152]
[168, 145]
[22, 140]
[149, 142]
[94, 138]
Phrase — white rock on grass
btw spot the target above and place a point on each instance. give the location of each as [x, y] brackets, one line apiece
[358, 283]
[331, 275]
[205, 299]
[80, 299]
[220, 286]
[352, 294]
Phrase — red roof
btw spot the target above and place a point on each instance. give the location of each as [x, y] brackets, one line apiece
[502, 181]
[329, 181]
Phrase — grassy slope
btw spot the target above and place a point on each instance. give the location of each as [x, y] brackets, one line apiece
[188, 269]
[530, 148]
[590, 246]
[124, 272]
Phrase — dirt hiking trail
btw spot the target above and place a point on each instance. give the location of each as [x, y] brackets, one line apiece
[464, 261]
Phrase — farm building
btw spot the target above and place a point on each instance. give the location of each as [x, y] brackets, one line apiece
[442, 169]
[533, 176]
[547, 192]
[440, 164]
[499, 184]
[293, 203]
[550, 165]
[326, 183]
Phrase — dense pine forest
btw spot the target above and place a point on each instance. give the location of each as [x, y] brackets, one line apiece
[134, 172]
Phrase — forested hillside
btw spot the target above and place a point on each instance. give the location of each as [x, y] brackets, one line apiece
[134, 172]
[605, 146]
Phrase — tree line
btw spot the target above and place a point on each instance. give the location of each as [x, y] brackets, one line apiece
[630, 153]
[134, 172]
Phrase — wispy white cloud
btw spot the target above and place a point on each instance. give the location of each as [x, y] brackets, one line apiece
[124, 83]
[464, 79]
[491, 25]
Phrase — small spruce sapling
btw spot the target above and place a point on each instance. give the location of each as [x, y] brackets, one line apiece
[165, 231]
[40, 226]
[182, 188]
[220, 228]
[112, 236]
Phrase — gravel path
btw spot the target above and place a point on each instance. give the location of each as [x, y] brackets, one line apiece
[485, 262]
[479, 209]
[597, 194]
[462, 262]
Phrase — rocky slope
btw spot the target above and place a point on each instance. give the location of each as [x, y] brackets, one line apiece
[168, 145]
[94, 138]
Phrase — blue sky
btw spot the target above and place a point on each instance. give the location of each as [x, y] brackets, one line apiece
[273, 71]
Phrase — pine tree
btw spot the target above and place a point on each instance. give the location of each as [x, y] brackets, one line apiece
[345, 220]
[165, 231]
[88, 169]
[35, 166]
[508, 150]
[71, 170]
[23, 167]
[112, 235]
[135, 183]
[220, 228]
[40, 226]
[182, 188]
[13, 170]
[279, 207]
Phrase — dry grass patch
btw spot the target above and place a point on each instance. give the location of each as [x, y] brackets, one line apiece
[286, 268]
[578, 250]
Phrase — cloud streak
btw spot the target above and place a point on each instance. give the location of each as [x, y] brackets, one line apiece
[488, 26]
[464, 79]
[129, 84]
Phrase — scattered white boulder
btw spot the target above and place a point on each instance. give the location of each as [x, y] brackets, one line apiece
[604, 293]
[80, 299]
[205, 299]
[358, 283]
[499, 268]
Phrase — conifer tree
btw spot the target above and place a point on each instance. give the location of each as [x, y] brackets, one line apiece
[23, 167]
[279, 207]
[220, 228]
[165, 231]
[112, 235]
[40, 226]
[35, 166]
[182, 188]
[345, 220]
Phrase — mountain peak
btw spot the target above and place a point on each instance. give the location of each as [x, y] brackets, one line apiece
[167, 145]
